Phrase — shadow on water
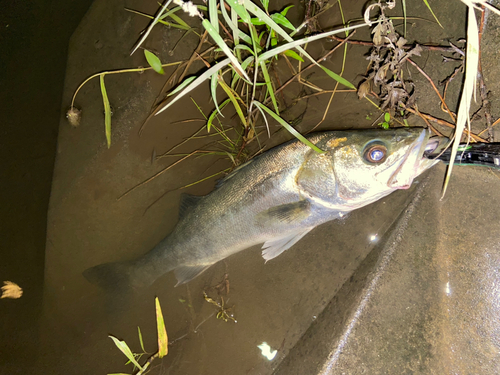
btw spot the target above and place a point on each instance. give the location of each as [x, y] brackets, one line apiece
[277, 302]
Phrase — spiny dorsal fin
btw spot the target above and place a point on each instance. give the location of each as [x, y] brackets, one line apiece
[272, 248]
[232, 174]
[287, 213]
[188, 201]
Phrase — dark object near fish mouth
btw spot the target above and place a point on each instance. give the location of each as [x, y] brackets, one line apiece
[482, 154]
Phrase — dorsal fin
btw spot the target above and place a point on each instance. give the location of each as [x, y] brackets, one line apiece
[188, 201]
[232, 174]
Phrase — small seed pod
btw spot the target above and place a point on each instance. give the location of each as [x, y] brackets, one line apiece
[74, 116]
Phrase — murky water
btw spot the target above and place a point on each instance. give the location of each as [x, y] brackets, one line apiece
[274, 302]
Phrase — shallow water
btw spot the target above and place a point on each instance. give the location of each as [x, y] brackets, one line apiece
[274, 302]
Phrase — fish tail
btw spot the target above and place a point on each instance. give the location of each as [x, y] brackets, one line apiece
[118, 276]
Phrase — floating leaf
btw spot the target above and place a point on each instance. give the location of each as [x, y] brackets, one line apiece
[162, 332]
[107, 111]
[154, 61]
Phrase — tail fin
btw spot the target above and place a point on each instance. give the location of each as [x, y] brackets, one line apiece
[112, 277]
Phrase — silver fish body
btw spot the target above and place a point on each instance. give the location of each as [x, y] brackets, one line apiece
[276, 199]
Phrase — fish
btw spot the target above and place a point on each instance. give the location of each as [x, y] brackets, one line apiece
[276, 199]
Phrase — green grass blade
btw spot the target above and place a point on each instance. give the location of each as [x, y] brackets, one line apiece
[140, 339]
[240, 9]
[285, 11]
[297, 43]
[169, 24]
[251, 7]
[244, 65]
[404, 16]
[151, 25]
[213, 91]
[220, 42]
[233, 25]
[213, 115]
[282, 20]
[107, 111]
[184, 83]
[293, 55]
[180, 21]
[154, 61]
[162, 332]
[231, 95]
[429, 7]
[244, 47]
[288, 127]
[471, 67]
[265, 4]
[198, 81]
[199, 108]
[170, 12]
[269, 86]
[338, 78]
[122, 345]
[265, 120]
[212, 13]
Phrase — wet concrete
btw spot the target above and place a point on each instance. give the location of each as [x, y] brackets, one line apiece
[423, 302]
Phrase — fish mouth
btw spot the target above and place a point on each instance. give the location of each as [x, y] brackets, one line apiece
[414, 162]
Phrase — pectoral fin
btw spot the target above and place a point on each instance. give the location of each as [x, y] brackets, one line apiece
[286, 213]
[272, 248]
[185, 274]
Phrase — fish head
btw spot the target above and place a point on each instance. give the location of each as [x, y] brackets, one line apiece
[369, 165]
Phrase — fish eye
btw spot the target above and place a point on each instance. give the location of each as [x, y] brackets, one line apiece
[375, 153]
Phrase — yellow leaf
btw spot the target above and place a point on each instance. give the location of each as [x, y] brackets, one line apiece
[162, 332]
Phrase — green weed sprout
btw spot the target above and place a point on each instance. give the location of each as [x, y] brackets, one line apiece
[134, 358]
